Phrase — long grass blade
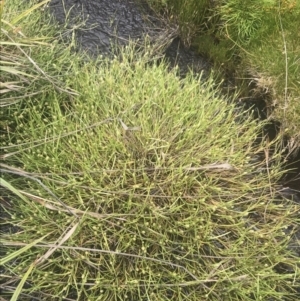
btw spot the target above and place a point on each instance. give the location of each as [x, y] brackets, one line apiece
[16, 254]
[19, 288]
[28, 11]
[8, 186]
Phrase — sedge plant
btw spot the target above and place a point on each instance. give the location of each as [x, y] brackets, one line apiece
[141, 186]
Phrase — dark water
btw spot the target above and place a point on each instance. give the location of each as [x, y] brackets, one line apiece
[292, 178]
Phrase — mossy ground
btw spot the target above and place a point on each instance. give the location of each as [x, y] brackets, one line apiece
[124, 182]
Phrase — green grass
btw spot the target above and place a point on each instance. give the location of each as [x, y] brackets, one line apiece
[253, 41]
[137, 185]
[270, 53]
[191, 16]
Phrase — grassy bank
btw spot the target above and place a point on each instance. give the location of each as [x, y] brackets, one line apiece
[124, 182]
[257, 41]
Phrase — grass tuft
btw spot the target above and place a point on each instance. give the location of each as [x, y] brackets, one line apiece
[142, 186]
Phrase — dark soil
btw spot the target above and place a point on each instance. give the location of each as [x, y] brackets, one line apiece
[107, 23]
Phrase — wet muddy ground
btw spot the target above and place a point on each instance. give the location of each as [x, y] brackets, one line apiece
[99, 25]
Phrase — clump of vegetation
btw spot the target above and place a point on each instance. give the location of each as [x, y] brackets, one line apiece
[258, 41]
[189, 15]
[269, 45]
[139, 186]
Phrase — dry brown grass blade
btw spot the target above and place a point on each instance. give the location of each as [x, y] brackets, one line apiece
[22, 173]
[9, 86]
[222, 166]
[47, 204]
[56, 85]
[64, 237]
[4, 102]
